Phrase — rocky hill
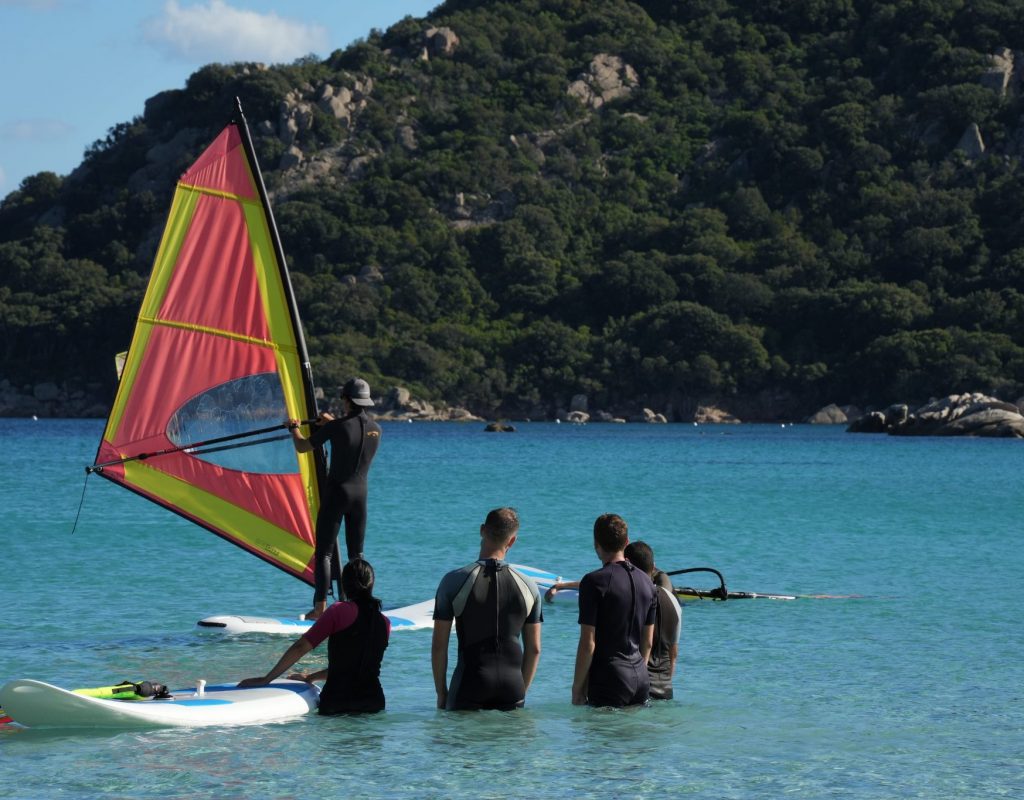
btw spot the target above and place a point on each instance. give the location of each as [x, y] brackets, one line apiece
[762, 207]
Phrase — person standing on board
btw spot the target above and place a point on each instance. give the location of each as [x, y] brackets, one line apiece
[354, 440]
[617, 613]
[492, 605]
[661, 664]
[357, 634]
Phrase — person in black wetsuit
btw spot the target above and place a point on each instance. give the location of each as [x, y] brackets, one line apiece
[354, 440]
[357, 634]
[661, 664]
[492, 605]
[617, 613]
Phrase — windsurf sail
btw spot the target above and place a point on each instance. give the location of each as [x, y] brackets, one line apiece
[217, 364]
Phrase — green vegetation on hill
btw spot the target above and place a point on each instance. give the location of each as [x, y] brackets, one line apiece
[784, 203]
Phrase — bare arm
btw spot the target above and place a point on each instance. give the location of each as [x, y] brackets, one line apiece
[309, 677]
[298, 649]
[584, 658]
[439, 659]
[531, 652]
[646, 642]
[557, 586]
[302, 444]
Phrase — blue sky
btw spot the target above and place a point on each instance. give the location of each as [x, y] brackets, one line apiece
[72, 69]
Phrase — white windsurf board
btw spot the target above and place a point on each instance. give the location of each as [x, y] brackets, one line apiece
[545, 580]
[541, 577]
[407, 618]
[41, 705]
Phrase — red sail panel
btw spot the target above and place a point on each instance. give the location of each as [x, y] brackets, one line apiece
[223, 167]
[217, 256]
[215, 354]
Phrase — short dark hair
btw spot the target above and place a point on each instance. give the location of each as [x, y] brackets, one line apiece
[611, 532]
[357, 579]
[641, 556]
[501, 524]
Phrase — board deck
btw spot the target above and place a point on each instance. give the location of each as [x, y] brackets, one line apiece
[36, 704]
[407, 618]
[541, 577]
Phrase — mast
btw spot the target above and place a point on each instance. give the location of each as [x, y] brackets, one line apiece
[238, 119]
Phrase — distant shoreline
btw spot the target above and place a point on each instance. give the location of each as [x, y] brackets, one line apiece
[971, 414]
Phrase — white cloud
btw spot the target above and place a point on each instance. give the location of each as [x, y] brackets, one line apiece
[34, 130]
[216, 31]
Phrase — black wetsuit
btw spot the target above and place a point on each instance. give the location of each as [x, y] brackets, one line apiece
[354, 440]
[618, 600]
[353, 669]
[490, 602]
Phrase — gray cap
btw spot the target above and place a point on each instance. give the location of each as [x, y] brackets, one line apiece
[357, 391]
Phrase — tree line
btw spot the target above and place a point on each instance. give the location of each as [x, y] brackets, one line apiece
[779, 208]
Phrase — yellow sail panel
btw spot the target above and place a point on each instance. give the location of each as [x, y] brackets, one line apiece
[261, 535]
[217, 355]
[276, 308]
[182, 208]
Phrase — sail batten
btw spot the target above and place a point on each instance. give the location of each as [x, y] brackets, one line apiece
[169, 323]
[185, 187]
[218, 351]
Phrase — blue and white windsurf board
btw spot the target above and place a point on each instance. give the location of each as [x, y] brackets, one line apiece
[41, 705]
[407, 618]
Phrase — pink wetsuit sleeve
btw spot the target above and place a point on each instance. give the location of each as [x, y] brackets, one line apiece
[336, 618]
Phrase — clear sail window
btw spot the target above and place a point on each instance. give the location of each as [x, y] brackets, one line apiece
[238, 407]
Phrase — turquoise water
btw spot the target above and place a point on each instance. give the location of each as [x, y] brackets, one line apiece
[913, 689]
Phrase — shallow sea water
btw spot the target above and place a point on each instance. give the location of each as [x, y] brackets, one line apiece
[911, 689]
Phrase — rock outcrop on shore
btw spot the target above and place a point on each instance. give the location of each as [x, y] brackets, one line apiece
[971, 414]
[398, 405]
[834, 415]
[711, 415]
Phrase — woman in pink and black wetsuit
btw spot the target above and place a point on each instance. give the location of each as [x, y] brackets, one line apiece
[357, 634]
